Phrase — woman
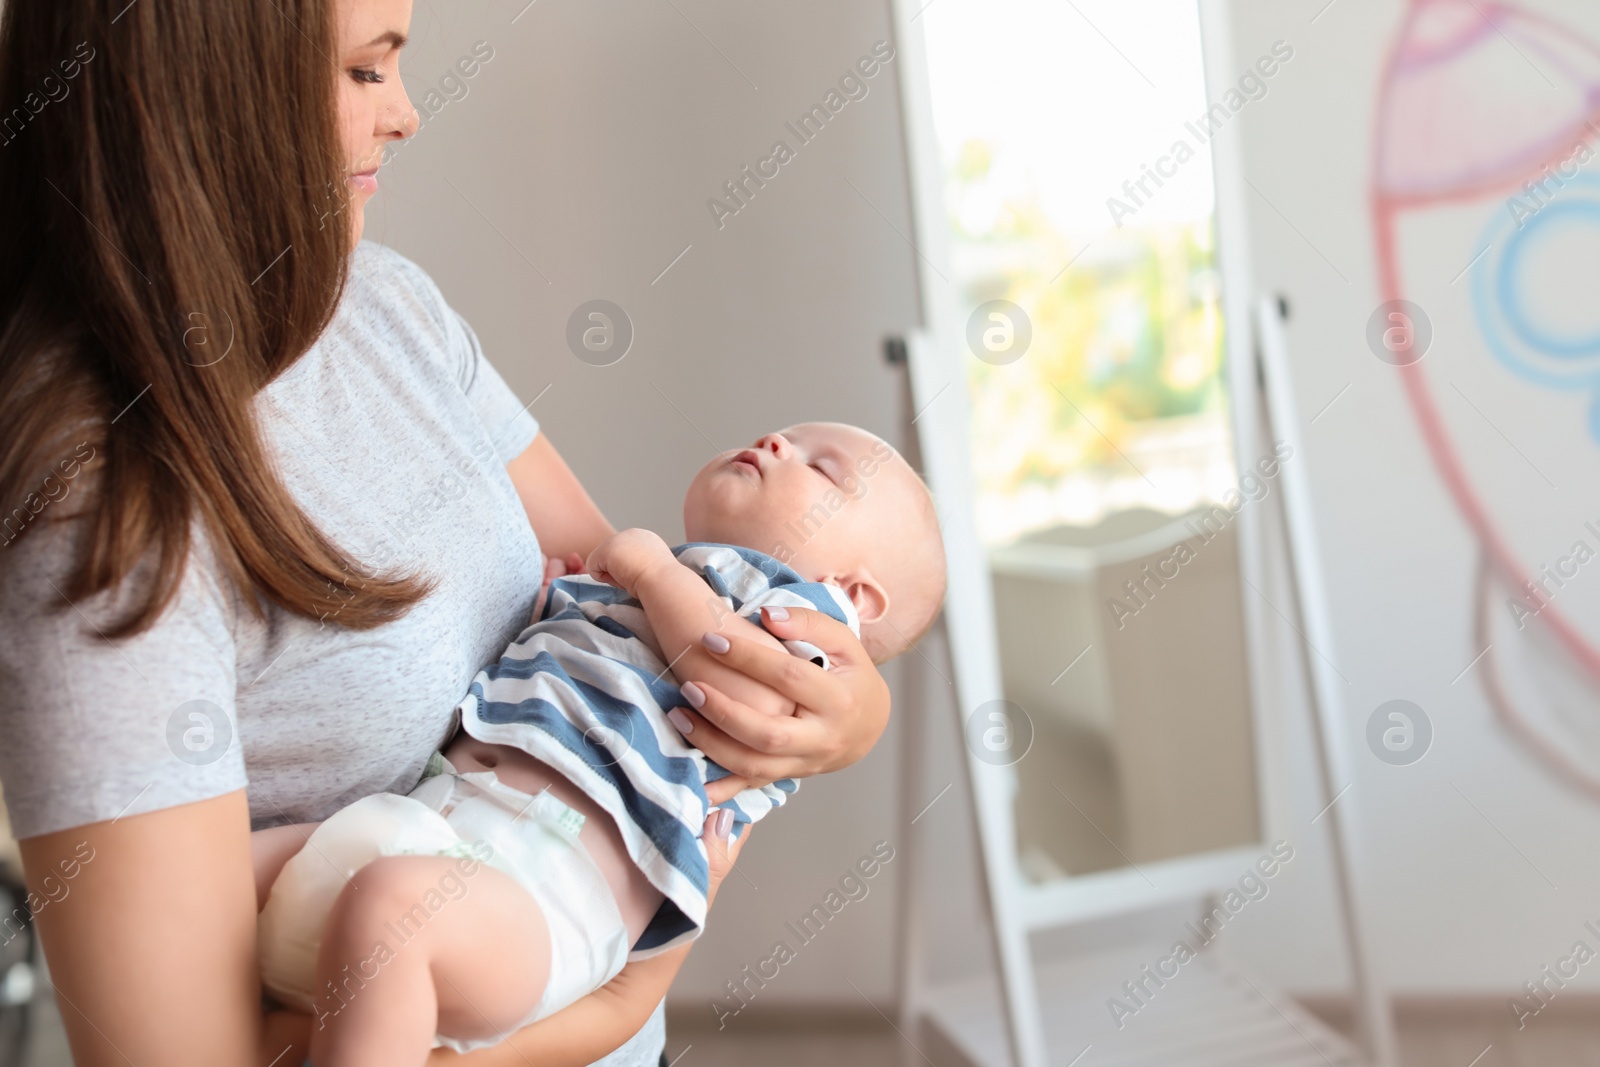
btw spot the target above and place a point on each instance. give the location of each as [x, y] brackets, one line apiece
[272, 509]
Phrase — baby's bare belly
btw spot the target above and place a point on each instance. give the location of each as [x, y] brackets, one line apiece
[636, 898]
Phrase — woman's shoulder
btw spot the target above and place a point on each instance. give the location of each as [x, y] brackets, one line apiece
[98, 727]
[37, 569]
[370, 256]
[379, 273]
[393, 303]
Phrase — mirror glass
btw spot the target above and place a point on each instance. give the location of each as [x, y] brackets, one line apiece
[1080, 204]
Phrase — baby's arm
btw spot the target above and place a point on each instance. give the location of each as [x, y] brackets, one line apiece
[681, 609]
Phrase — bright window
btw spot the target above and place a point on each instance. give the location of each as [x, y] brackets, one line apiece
[1067, 194]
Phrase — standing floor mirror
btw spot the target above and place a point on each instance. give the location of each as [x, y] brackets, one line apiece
[1085, 398]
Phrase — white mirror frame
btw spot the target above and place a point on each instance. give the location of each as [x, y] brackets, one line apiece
[938, 381]
[937, 369]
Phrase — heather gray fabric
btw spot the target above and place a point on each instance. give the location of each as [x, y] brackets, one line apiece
[393, 433]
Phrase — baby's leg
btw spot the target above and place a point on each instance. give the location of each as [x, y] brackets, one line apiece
[413, 948]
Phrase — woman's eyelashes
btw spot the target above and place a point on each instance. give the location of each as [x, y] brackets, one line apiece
[367, 75]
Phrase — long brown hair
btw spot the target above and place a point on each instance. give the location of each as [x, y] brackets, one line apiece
[171, 186]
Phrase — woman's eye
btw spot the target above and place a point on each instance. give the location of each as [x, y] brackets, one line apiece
[367, 75]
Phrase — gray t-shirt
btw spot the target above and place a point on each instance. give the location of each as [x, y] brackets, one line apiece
[392, 433]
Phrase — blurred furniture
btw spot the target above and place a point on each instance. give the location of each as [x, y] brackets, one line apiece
[19, 959]
[1150, 724]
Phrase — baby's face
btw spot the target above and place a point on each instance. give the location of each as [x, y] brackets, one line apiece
[819, 496]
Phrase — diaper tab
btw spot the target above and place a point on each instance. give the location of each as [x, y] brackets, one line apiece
[461, 850]
[553, 815]
[571, 822]
[543, 808]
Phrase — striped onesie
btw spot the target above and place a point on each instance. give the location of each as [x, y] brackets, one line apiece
[581, 691]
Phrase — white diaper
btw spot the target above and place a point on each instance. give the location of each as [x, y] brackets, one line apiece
[473, 816]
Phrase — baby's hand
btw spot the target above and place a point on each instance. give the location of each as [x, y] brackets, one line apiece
[627, 556]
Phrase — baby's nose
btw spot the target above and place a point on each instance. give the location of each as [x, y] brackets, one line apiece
[775, 443]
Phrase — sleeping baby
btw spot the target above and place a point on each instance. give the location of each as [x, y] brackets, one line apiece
[558, 834]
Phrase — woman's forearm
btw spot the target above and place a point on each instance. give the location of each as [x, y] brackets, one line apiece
[563, 517]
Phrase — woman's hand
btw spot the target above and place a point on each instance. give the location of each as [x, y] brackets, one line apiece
[554, 568]
[602, 1022]
[840, 713]
[285, 1039]
[720, 852]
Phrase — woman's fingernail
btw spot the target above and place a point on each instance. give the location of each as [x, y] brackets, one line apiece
[693, 694]
[781, 614]
[715, 642]
[723, 824]
[681, 721]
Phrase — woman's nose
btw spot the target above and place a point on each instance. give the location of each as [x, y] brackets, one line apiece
[398, 119]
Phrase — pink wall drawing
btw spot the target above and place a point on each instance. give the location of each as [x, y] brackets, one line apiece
[1488, 118]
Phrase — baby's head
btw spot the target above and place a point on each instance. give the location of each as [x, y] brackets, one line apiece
[838, 505]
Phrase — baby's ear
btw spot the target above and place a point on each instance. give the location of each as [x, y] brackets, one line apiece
[870, 598]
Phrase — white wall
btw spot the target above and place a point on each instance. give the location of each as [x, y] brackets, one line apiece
[591, 142]
[1461, 900]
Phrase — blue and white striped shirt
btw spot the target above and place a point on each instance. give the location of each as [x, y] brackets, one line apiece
[580, 690]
